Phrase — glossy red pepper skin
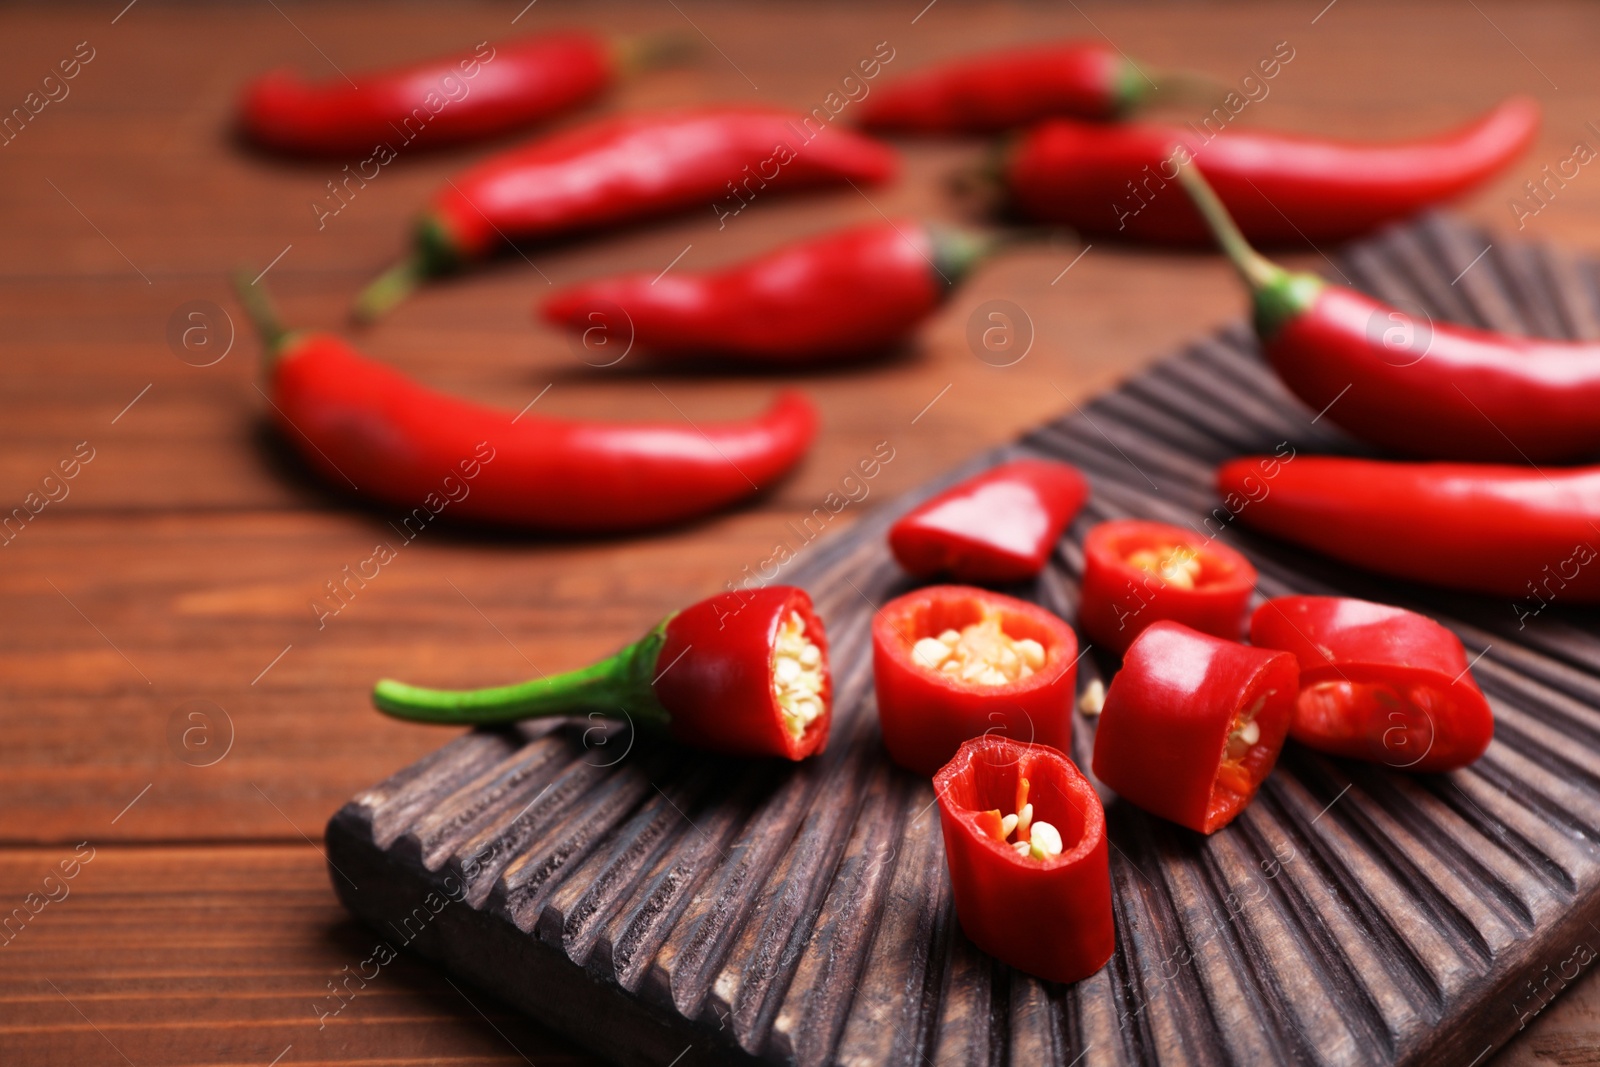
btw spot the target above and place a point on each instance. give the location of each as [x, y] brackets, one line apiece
[1051, 918]
[367, 427]
[1163, 734]
[840, 296]
[1511, 531]
[704, 675]
[1005, 89]
[998, 526]
[448, 100]
[925, 716]
[1378, 683]
[1119, 600]
[624, 169]
[1430, 390]
[1281, 188]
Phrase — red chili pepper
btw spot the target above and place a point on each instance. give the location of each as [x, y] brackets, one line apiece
[1041, 903]
[1513, 531]
[1378, 683]
[843, 295]
[1192, 724]
[462, 97]
[742, 673]
[998, 526]
[951, 663]
[623, 169]
[1136, 573]
[1283, 188]
[361, 424]
[1438, 391]
[1005, 89]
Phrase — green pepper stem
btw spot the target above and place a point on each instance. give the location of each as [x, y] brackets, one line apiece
[650, 51]
[262, 314]
[1137, 88]
[388, 289]
[619, 686]
[1278, 294]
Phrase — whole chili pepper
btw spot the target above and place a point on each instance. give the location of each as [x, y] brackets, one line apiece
[741, 673]
[1136, 573]
[1041, 902]
[843, 295]
[462, 97]
[1004, 89]
[622, 169]
[1437, 391]
[998, 526]
[1378, 683]
[1280, 187]
[362, 424]
[1192, 724]
[951, 663]
[1513, 531]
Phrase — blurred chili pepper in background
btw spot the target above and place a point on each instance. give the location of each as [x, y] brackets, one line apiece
[623, 169]
[360, 423]
[839, 296]
[743, 673]
[1007, 88]
[998, 526]
[1443, 392]
[463, 97]
[1280, 187]
[1515, 531]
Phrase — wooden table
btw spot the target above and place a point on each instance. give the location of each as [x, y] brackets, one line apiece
[176, 577]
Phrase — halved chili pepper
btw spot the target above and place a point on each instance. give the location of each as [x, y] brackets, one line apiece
[1012, 87]
[1192, 724]
[1114, 179]
[951, 662]
[843, 295]
[1515, 531]
[446, 100]
[623, 169]
[742, 673]
[363, 425]
[1431, 390]
[998, 526]
[1136, 573]
[1041, 902]
[1378, 683]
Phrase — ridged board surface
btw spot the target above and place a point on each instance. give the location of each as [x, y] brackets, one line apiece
[667, 908]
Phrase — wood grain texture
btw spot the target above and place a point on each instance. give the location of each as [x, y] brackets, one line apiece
[1352, 915]
[191, 546]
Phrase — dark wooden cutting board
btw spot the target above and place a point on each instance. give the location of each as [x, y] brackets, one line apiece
[667, 908]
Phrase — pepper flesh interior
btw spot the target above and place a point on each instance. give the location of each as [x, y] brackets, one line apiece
[796, 675]
[1035, 840]
[1242, 737]
[1176, 565]
[981, 652]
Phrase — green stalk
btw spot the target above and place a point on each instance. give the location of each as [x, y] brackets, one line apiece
[1278, 294]
[435, 254]
[651, 51]
[263, 316]
[618, 686]
[1136, 88]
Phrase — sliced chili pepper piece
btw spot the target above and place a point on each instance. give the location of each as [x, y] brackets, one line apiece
[1428, 389]
[1283, 188]
[998, 526]
[1378, 683]
[741, 673]
[371, 429]
[953, 662]
[1136, 573]
[1007, 88]
[840, 296]
[1513, 531]
[624, 169]
[1193, 724]
[1044, 908]
[446, 100]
